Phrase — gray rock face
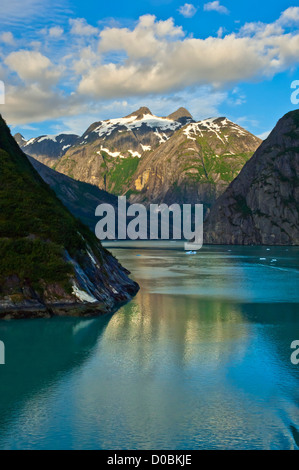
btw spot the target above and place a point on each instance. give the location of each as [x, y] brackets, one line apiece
[261, 206]
[81, 199]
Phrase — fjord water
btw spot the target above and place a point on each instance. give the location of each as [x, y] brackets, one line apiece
[200, 359]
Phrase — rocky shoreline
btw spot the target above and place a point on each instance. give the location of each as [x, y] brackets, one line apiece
[75, 310]
[105, 297]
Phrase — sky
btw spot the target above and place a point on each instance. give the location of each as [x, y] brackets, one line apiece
[66, 64]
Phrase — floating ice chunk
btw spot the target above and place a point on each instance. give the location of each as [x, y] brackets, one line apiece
[263, 259]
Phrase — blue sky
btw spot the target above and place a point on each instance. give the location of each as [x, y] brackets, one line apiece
[66, 64]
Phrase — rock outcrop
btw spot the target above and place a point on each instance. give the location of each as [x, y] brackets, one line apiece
[261, 206]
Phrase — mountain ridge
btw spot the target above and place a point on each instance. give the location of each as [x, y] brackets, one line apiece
[261, 205]
[156, 159]
[50, 263]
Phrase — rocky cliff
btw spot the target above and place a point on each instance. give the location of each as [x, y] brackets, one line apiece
[50, 263]
[81, 199]
[195, 165]
[261, 206]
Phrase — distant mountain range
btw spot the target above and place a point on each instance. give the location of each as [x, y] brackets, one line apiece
[150, 158]
[177, 160]
[47, 148]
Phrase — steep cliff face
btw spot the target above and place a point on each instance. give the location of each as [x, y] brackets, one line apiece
[50, 263]
[47, 149]
[109, 152]
[81, 199]
[195, 165]
[261, 206]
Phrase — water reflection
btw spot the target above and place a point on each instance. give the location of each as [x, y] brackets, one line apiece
[39, 353]
[169, 370]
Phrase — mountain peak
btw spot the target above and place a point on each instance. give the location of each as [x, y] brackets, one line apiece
[20, 139]
[179, 114]
[140, 112]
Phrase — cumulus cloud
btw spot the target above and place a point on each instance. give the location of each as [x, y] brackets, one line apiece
[80, 27]
[188, 10]
[32, 66]
[216, 6]
[32, 103]
[151, 60]
[157, 60]
[289, 16]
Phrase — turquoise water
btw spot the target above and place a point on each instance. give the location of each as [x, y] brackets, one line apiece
[200, 359]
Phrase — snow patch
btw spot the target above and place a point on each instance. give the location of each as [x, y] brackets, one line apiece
[130, 123]
[134, 154]
[53, 138]
[82, 295]
[112, 154]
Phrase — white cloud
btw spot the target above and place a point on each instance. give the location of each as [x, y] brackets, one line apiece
[188, 10]
[56, 32]
[154, 63]
[216, 6]
[33, 103]
[7, 38]
[289, 16]
[153, 60]
[32, 66]
[80, 27]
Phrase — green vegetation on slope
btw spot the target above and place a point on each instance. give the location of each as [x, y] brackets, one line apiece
[35, 228]
[118, 176]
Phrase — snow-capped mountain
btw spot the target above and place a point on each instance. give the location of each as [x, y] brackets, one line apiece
[139, 132]
[155, 159]
[109, 152]
[196, 164]
[47, 148]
